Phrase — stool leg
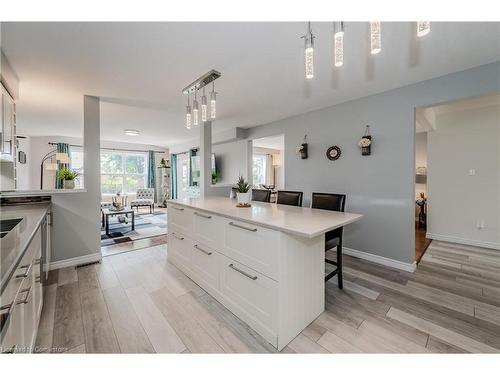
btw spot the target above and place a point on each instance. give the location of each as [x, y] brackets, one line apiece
[339, 265]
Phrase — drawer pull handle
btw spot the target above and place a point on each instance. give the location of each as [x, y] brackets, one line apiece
[25, 274]
[178, 237]
[242, 272]
[242, 227]
[38, 279]
[201, 215]
[178, 208]
[38, 261]
[202, 250]
[25, 300]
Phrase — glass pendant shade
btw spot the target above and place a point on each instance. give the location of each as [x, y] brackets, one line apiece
[375, 37]
[309, 52]
[195, 113]
[338, 40]
[423, 28]
[213, 104]
[188, 117]
[204, 107]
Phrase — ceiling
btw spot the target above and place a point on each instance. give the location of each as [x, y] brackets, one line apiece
[275, 142]
[425, 117]
[138, 70]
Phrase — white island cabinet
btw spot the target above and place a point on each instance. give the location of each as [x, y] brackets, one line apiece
[264, 263]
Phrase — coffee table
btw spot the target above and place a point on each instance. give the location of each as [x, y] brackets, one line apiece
[107, 212]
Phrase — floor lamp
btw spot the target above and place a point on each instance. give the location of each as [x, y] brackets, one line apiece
[60, 156]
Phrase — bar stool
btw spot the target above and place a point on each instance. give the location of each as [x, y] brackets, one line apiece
[291, 198]
[261, 195]
[333, 238]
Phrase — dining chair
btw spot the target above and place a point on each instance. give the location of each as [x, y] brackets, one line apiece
[333, 238]
[291, 198]
[261, 195]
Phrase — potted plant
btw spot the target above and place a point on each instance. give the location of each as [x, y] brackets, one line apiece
[243, 194]
[215, 177]
[68, 177]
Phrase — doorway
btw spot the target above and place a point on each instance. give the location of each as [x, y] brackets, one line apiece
[457, 179]
[268, 170]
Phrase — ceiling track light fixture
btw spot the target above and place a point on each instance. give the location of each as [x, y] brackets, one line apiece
[375, 37]
[309, 51]
[375, 27]
[200, 83]
[338, 43]
[423, 28]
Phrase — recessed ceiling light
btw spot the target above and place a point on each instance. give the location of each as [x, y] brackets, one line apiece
[131, 132]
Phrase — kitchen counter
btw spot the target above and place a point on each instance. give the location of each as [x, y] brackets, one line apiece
[30, 193]
[299, 221]
[14, 243]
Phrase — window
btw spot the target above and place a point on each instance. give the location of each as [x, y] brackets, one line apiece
[123, 172]
[76, 157]
[259, 169]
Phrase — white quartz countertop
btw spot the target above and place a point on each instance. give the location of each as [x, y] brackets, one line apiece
[14, 244]
[299, 221]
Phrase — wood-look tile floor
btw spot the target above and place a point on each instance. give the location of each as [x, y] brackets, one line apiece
[137, 302]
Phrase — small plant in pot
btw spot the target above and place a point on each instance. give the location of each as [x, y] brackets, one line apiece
[68, 177]
[243, 194]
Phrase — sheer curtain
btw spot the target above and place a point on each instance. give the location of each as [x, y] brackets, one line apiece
[152, 172]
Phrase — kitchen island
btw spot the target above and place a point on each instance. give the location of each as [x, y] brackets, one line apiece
[265, 263]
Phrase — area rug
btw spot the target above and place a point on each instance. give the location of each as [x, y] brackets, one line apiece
[146, 225]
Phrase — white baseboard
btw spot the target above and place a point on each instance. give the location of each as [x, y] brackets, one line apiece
[463, 241]
[408, 267]
[75, 261]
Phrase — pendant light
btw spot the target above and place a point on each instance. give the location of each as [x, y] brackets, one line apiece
[204, 107]
[188, 115]
[195, 110]
[375, 37]
[423, 28]
[338, 43]
[309, 52]
[213, 102]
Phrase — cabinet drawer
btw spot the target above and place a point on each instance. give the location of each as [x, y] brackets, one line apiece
[208, 229]
[205, 266]
[179, 250]
[180, 219]
[254, 246]
[251, 296]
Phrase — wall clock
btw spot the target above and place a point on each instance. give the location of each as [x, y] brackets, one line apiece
[333, 152]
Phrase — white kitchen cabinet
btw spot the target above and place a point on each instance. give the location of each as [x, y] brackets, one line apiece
[8, 117]
[271, 280]
[22, 301]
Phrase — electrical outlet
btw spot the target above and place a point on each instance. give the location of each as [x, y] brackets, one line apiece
[472, 172]
[480, 224]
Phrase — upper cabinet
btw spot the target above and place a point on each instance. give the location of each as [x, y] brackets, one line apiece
[8, 129]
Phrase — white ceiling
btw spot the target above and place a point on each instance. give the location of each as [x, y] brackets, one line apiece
[139, 69]
[275, 142]
[426, 116]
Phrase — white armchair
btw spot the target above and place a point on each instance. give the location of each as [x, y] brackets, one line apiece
[144, 198]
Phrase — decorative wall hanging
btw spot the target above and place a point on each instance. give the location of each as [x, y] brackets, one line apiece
[365, 143]
[333, 152]
[302, 149]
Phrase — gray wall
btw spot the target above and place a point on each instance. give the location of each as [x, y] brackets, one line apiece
[380, 186]
[231, 159]
[462, 207]
[76, 216]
